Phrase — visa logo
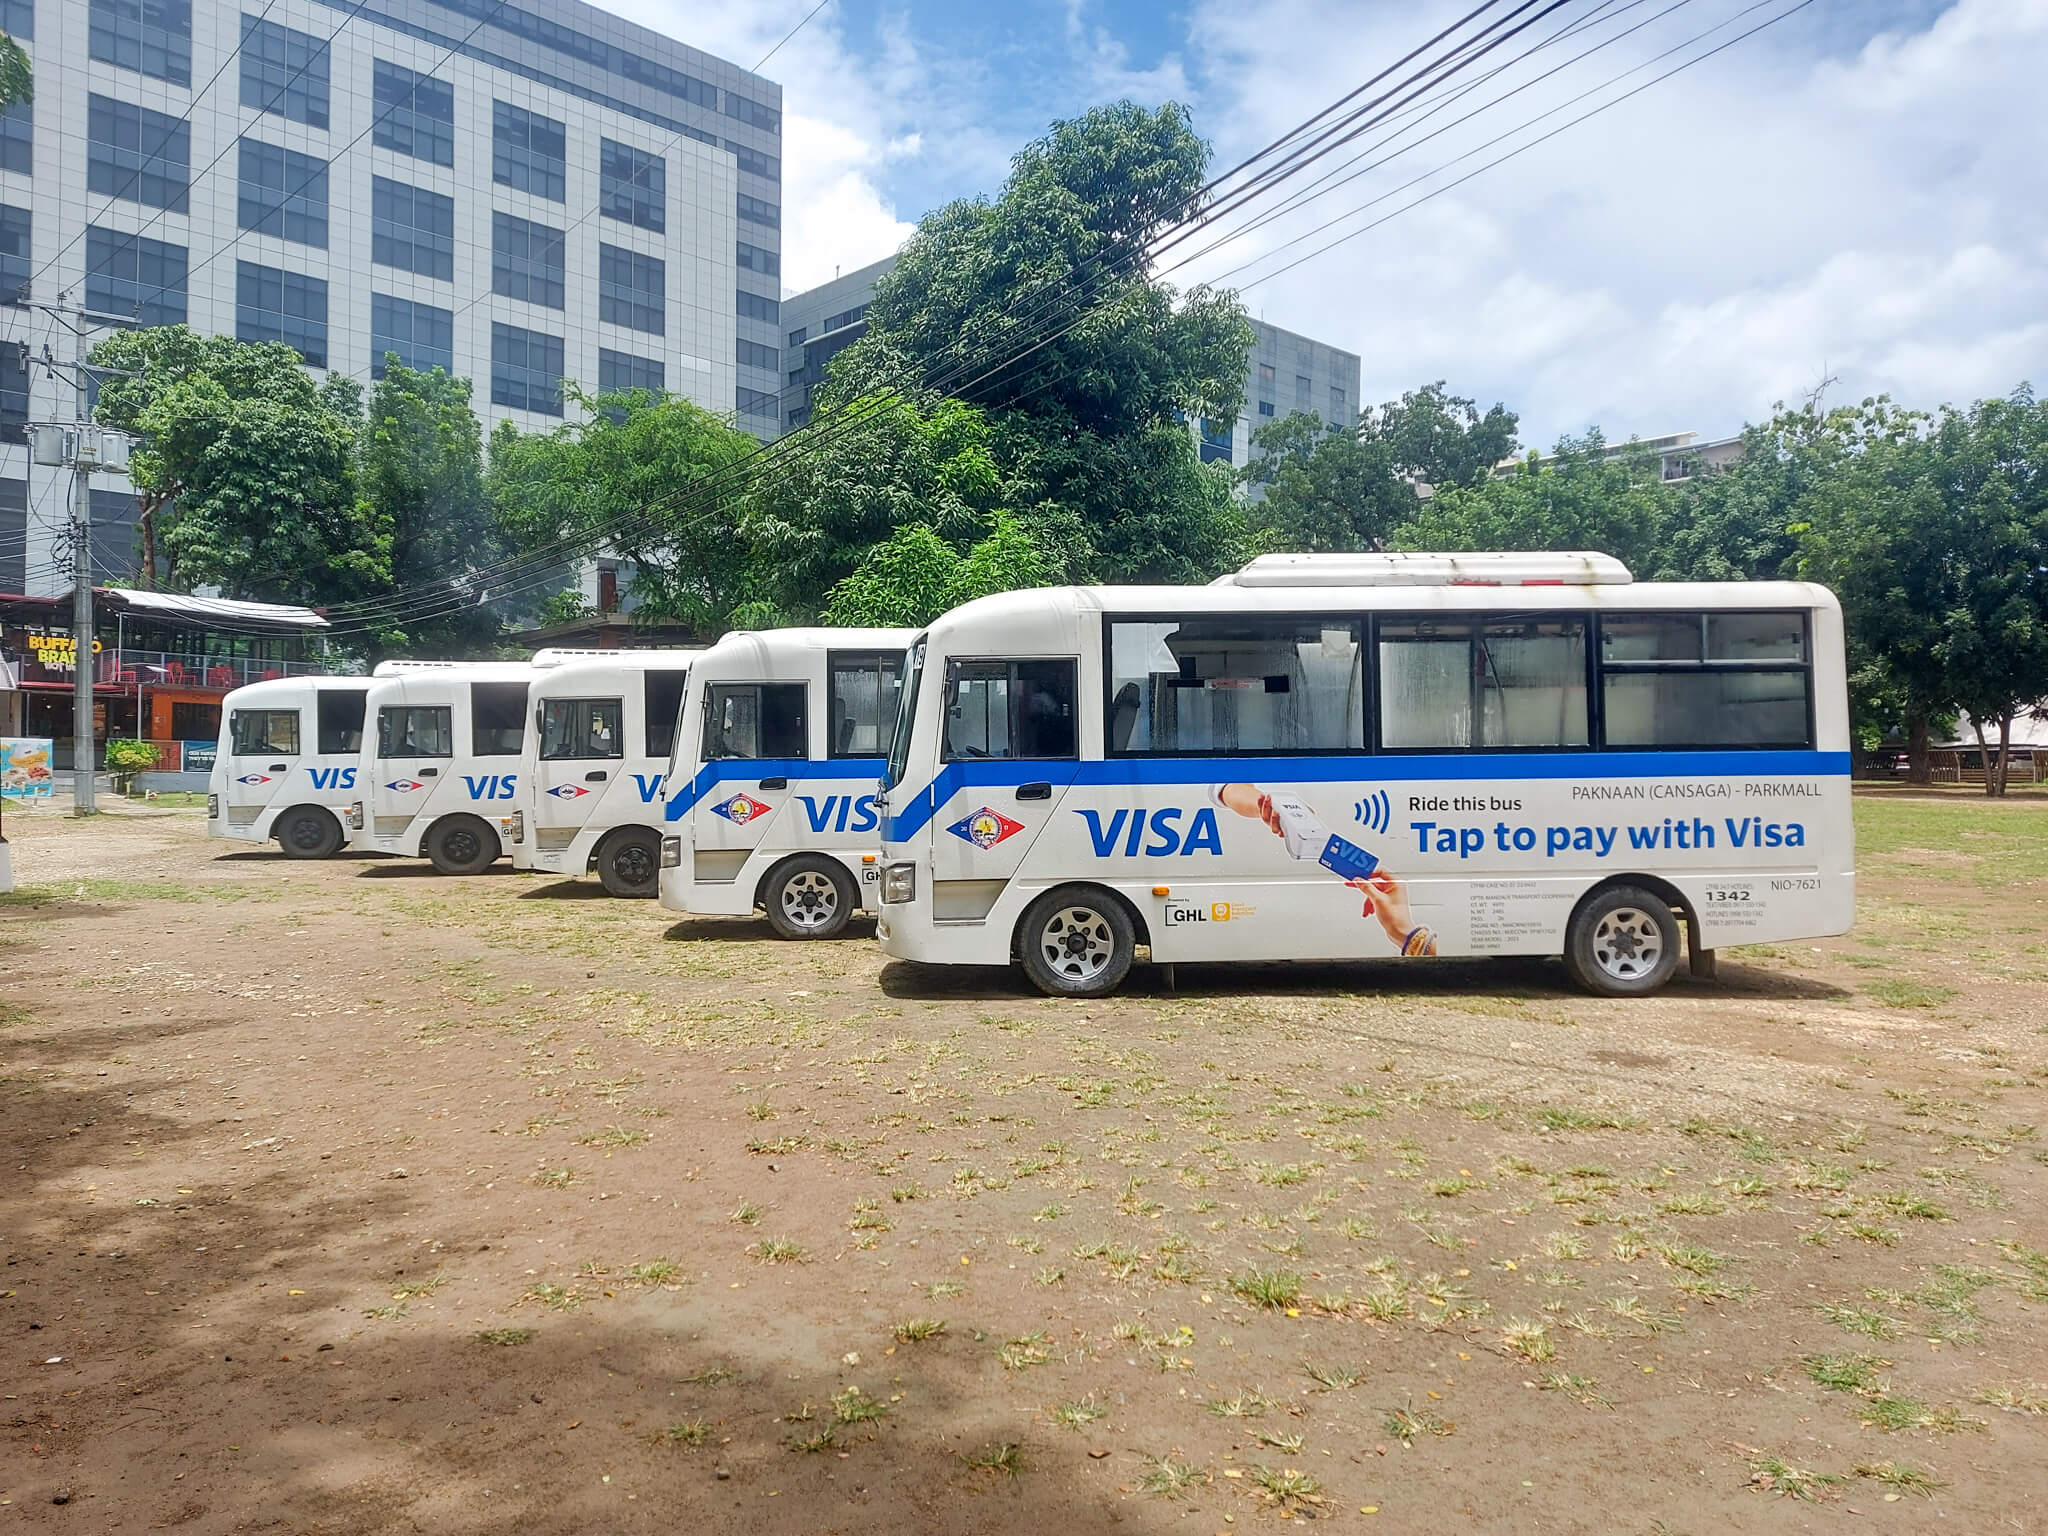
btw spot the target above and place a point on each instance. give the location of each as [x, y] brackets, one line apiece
[649, 785]
[1155, 834]
[333, 778]
[834, 811]
[491, 786]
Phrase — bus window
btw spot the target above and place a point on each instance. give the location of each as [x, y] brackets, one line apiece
[1237, 684]
[1021, 710]
[578, 729]
[754, 720]
[1705, 680]
[663, 694]
[1515, 681]
[415, 730]
[272, 732]
[341, 720]
[497, 719]
[906, 713]
[862, 695]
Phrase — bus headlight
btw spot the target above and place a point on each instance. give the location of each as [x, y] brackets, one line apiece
[671, 853]
[355, 814]
[213, 807]
[518, 825]
[899, 883]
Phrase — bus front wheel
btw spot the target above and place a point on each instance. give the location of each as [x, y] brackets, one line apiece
[308, 832]
[809, 898]
[462, 845]
[1623, 942]
[1076, 941]
[629, 863]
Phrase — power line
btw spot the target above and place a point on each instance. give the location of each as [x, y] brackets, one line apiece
[792, 32]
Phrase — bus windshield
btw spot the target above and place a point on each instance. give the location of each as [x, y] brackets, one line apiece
[906, 714]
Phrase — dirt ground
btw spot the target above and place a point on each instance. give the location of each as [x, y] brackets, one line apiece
[349, 1198]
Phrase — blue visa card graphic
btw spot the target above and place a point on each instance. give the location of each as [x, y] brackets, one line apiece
[1346, 860]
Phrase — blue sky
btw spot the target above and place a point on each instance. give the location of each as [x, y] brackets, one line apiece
[1858, 193]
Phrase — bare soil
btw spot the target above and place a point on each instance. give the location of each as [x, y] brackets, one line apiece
[348, 1198]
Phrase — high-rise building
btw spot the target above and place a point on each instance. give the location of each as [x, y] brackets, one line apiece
[817, 325]
[523, 192]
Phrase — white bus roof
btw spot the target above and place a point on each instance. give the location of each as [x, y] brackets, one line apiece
[481, 669]
[577, 671]
[572, 655]
[1484, 568]
[747, 648]
[278, 687]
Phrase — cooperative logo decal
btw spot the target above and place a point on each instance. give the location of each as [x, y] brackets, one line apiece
[985, 828]
[405, 786]
[741, 809]
[568, 791]
[254, 778]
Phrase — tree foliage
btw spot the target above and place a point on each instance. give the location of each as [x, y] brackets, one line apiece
[914, 576]
[17, 75]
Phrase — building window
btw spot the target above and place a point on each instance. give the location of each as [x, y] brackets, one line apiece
[283, 193]
[796, 337]
[753, 113]
[421, 335]
[13, 396]
[526, 370]
[752, 258]
[618, 371]
[136, 155]
[412, 229]
[1265, 407]
[284, 71]
[18, 138]
[18, 21]
[1216, 436]
[852, 316]
[529, 152]
[754, 163]
[631, 289]
[633, 186]
[751, 354]
[526, 261]
[755, 211]
[1266, 374]
[275, 305]
[13, 535]
[152, 37]
[757, 402]
[15, 226]
[1301, 388]
[415, 113]
[1337, 404]
[754, 306]
[134, 277]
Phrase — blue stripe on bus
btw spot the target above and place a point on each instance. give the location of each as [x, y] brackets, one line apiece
[754, 768]
[1127, 771]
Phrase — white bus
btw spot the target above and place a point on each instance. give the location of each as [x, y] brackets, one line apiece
[284, 770]
[771, 795]
[440, 761]
[1329, 757]
[603, 727]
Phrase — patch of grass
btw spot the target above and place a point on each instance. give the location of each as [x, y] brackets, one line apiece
[1409, 1423]
[1908, 994]
[505, 1338]
[690, 1434]
[1272, 1289]
[1285, 1486]
[556, 1178]
[717, 1376]
[1889, 1413]
[1164, 1478]
[1868, 1321]
[388, 1313]
[1246, 1405]
[1025, 1351]
[819, 1440]
[413, 1289]
[1699, 1204]
[1077, 1414]
[1565, 1118]
[1773, 1474]
[558, 1298]
[1049, 1276]
[1531, 1340]
[614, 1136]
[764, 1146]
[747, 1214]
[1332, 1378]
[655, 1272]
[1003, 1459]
[1896, 1474]
[1689, 1257]
[853, 1406]
[1176, 1269]
[777, 1250]
[1386, 1306]
[2030, 1399]
[1583, 1389]
[1634, 1310]
[1846, 1373]
[939, 1290]
[915, 1330]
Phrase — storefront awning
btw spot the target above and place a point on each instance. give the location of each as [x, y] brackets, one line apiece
[211, 612]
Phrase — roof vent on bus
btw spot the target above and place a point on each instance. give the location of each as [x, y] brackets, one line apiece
[1577, 568]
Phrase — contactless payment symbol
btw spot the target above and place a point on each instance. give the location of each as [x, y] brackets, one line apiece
[404, 786]
[741, 809]
[568, 791]
[254, 778]
[985, 828]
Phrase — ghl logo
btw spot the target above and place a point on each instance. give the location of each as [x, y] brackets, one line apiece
[1375, 811]
[405, 786]
[568, 791]
[254, 778]
[985, 828]
[741, 809]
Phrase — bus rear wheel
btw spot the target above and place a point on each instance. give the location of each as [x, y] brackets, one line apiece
[1623, 942]
[308, 832]
[462, 845]
[809, 898]
[629, 863]
[1076, 941]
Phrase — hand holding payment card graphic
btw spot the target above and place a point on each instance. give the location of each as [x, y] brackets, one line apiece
[1289, 818]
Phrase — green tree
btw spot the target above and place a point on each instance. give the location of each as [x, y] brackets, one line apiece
[914, 576]
[648, 477]
[246, 472]
[1326, 488]
[1440, 438]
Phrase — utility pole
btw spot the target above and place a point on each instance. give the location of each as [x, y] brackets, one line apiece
[83, 668]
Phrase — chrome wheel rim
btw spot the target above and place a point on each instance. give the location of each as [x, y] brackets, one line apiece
[810, 900]
[1628, 943]
[1076, 944]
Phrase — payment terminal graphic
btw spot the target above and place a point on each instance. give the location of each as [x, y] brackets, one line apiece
[1308, 839]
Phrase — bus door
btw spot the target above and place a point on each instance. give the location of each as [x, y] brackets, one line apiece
[415, 753]
[263, 748]
[1007, 746]
[756, 740]
[581, 761]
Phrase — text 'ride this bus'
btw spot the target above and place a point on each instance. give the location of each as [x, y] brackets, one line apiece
[1328, 757]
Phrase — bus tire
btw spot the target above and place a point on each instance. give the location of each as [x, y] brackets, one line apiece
[629, 862]
[1077, 941]
[809, 898]
[462, 845]
[307, 832]
[1623, 942]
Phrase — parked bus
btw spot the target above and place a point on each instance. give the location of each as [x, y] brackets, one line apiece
[590, 779]
[771, 794]
[284, 770]
[1329, 757]
[440, 761]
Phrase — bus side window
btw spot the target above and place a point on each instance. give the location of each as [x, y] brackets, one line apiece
[341, 720]
[1512, 680]
[1019, 710]
[663, 693]
[1705, 680]
[862, 689]
[755, 720]
[266, 732]
[497, 719]
[581, 729]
